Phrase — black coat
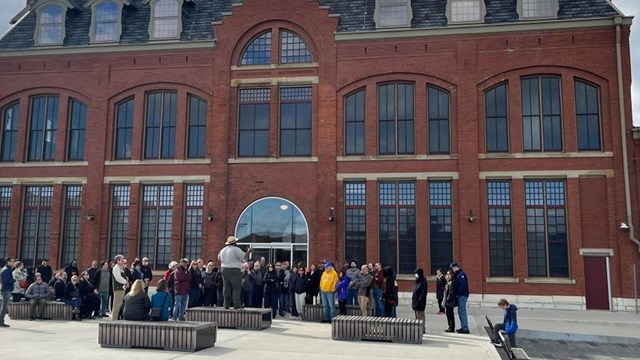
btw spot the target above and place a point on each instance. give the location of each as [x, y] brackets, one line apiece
[71, 291]
[45, 272]
[270, 282]
[136, 307]
[86, 288]
[314, 282]
[450, 299]
[196, 278]
[440, 284]
[301, 284]
[419, 298]
[59, 288]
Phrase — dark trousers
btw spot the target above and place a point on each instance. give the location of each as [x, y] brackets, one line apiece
[209, 296]
[194, 297]
[247, 298]
[451, 320]
[37, 307]
[271, 300]
[90, 305]
[219, 297]
[17, 297]
[440, 308]
[342, 305]
[496, 337]
[388, 309]
[292, 303]
[257, 296]
[282, 307]
[232, 287]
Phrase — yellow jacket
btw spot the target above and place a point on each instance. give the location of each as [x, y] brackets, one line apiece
[329, 280]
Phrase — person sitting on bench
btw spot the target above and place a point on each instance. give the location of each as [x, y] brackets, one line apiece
[509, 324]
[38, 294]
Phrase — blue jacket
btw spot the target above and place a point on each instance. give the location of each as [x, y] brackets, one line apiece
[511, 320]
[461, 284]
[157, 301]
[342, 287]
[7, 279]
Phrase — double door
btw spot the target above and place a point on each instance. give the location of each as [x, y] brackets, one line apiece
[294, 254]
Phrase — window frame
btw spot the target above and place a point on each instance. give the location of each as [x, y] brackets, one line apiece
[80, 145]
[397, 214]
[198, 220]
[129, 129]
[439, 120]
[245, 132]
[356, 122]
[440, 203]
[94, 4]
[396, 120]
[388, 3]
[39, 208]
[296, 129]
[152, 20]
[520, 10]
[281, 32]
[160, 125]
[154, 262]
[201, 129]
[588, 85]
[13, 132]
[355, 215]
[45, 129]
[541, 114]
[71, 223]
[449, 13]
[496, 117]
[64, 5]
[500, 204]
[122, 211]
[249, 43]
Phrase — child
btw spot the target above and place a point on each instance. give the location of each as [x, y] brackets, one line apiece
[342, 290]
[509, 323]
[449, 301]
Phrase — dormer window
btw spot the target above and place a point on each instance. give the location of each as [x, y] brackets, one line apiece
[50, 25]
[537, 9]
[465, 11]
[165, 19]
[393, 13]
[105, 22]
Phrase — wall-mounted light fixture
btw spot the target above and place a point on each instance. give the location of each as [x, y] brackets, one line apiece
[331, 215]
[470, 217]
[210, 216]
[90, 215]
[624, 226]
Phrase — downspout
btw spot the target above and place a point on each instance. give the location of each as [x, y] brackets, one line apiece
[623, 133]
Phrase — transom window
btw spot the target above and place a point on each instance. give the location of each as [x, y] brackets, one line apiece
[465, 10]
[293, 49]
[538, 8]
[9, 132]
[107, 15]
[258, 52]
[51, 24]
[393, 13]
[166, 19]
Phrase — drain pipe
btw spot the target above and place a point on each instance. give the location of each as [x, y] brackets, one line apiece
[623, 133]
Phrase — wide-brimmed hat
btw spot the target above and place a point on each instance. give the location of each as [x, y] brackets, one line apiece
[231, 240]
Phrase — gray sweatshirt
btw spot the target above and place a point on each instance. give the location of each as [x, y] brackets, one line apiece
[354, 275]
[37, 291]
[231, 257]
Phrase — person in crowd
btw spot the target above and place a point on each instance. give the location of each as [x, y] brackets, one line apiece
[136, 303]
[293, 276]
[209, 286]
[72, 296]
[219, 280]
[354, 274]
[172, 267]
[21, 284]
[263, 265]
[72, 269]
[136, 271]
[7, 288]
[128, 275]
[231, 258]
[38, 295]
[371, 269]
[342, 290]
[462, 293]
[103, 285]
[170, 278]
[45, 271]
[378, 280]
[285, 291]
[389, 294]
[248, 282]
[440, 284]
[258, 286]
[300, 286]
[90, 307]
[147, 273]
[182, 285]
[363, 284]
[120, 285]
[282, 306]
[195, 285]
[271, 290]
[313, 289]
[419, 297]
[328, 283]
[449, 301]
[55, 278]
[161, 300]
[509, 323]
[59, 286]
[93, 269]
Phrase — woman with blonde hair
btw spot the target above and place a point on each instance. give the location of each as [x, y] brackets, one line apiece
[137, 303]
[20, 285]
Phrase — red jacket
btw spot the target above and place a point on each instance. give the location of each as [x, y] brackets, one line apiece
[182, 281]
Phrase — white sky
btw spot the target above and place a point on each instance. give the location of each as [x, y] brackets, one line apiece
[9, 8]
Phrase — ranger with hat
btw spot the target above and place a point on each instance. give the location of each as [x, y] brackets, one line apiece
[231, 258]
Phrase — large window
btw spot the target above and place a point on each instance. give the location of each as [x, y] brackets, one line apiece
[354, 134]
[36, 224]
[393, 13]
[124, 129]
[440, 224]
[295, 121]
[532, 9]
[355, 222]
[547, 250]
[156, 224]
[9, 132]
[193, 215]
[541, 114]
[51, 25]
[77, 127]
[496, 119]
[587, 116]
[160, 126]
[71, 227]
[398, 225]
[500, 236]
[258, 52]
[5, 220]
[42, 128]
[462, 11]
[197, 127]
[253, 122]
[166, 19]
[119, 225]
[106, 19]
[293, 49]
[438, 121]
[396, 119]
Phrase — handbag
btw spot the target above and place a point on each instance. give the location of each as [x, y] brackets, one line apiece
[24, 284]
[157, 312]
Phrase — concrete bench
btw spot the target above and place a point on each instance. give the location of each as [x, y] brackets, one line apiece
[314, 312]
[166, 335]
[54, 310]
[513, 353]
[247, 318]
[371, 328]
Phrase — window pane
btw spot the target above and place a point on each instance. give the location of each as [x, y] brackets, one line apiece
[165, 21]
[194, 212]
[293, 49]
[197, 127]
[78, 124]
[393, 12]
[465, 10]
[295, 121]
[6, 193]
[124, 130]
[157, 222]
[36, 224]
[397, 225]
[71, 227]
[438, 121]
[43, 127]
[160, 123]
[496, 119]
[253, 122]
[355, 222]
[258, 52]
[500, 232]
[587, 116]
[9, 132]
[119, 225]
[537, 8]
[51, 20]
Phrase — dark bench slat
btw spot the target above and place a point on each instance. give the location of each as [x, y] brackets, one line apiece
[376, 329]
[249, 318]
[314, 312]
[179, 336]
[54, 310]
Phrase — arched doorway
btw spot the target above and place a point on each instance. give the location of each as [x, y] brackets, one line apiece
[276, 229]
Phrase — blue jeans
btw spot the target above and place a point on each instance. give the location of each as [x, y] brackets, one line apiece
[352, 297]
[104, 302]
[377, 298]
[462, 312]
[75, 303]
[180, 307]
[328, 305]
[282, 308]
[6, 296]
[247, 298]
[194, 296]
[219, 297]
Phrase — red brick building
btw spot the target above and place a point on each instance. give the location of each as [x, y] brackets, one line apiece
[407, 132]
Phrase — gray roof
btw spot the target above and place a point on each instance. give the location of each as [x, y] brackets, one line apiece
[355, 15]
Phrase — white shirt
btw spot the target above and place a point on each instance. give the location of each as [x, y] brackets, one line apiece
[117, 274]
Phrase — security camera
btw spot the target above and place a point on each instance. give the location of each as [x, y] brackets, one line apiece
[624, 226]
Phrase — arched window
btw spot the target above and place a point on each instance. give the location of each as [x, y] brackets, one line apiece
[354, 132]
[165, 19]
[438, 121]
[293, 49]
[258, 52]
[106, 21]
[587, 116]
[496, 118]
[51, 25]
